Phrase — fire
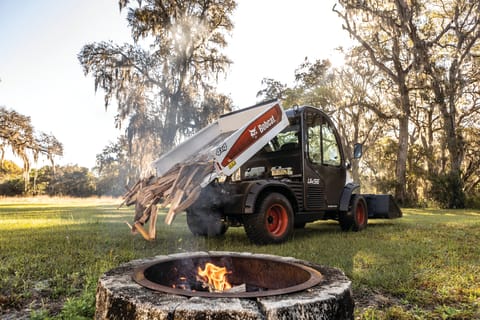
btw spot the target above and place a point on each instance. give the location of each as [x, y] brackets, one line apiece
[214, 277]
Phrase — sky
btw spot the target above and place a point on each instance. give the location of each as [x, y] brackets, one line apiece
[40, 75]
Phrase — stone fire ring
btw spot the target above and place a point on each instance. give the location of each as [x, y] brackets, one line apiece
[120, 297]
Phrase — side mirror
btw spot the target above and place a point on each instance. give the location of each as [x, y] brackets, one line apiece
[357, 150]
[348, 165]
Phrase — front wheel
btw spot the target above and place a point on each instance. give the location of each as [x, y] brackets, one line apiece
[357, 216]
[272, 221]
[207, 223]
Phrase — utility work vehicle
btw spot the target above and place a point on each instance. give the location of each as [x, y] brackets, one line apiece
[263, 168]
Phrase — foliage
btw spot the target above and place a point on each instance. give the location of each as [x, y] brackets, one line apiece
[18, 134]
[72, 180]
[399, 268]
[79, 307]
[11, 182]
[164, 82]
[428, 51]
[114, 170]
[356, 106]
[381, 44]
[12, 187]
[377, 179]
[9, 169]
[471, 171]
[446, 190]
[412, 78]
[473, 201]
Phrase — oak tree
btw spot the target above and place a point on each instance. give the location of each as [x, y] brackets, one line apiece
[18, 135]
[164, 82]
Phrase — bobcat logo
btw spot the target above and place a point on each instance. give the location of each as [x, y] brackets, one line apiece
[253, 133]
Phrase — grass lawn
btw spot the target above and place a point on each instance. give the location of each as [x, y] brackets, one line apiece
[425, 265]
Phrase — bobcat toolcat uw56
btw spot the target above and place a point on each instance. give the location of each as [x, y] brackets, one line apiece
[272, 170]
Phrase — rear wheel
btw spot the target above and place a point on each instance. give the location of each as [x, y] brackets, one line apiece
[205, 216]
[299, 225]
[356, 218]
[345, 220]
[272, 221]
[206, 222]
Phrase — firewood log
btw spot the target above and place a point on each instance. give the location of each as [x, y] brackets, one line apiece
[152, 230]
[191, 198]
[142, 231]
[175, 202]
[177, 189]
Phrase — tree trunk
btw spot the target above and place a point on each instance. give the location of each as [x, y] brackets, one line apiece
[453, 140]
[401, 164]
[355, 171]
[456, 152]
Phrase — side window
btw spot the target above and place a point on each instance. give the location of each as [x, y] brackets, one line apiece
[330, 150]
[314, 132]
[322, 146]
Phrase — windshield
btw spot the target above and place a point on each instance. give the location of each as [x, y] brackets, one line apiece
[288, 139]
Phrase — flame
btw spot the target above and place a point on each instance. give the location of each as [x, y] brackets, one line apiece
[215, 277]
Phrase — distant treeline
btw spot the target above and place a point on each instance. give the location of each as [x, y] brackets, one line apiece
[70, 180]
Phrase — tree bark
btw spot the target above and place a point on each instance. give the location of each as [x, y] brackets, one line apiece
[401, 164]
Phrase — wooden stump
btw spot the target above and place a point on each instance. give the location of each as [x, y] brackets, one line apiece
[119, 297]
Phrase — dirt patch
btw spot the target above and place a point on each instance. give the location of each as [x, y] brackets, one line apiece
[373, 299]
[15, 309]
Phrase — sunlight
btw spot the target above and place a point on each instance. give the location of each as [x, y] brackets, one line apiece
[365, 261]
[36, 223]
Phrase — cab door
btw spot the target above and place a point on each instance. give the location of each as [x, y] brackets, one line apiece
[325, 173]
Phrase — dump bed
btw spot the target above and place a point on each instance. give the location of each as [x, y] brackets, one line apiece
[230, 141]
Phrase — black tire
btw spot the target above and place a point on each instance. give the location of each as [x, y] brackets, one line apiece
[356, 218]
[299, 225]
[346, 221]
[272, 221]
[360, 213]
[206, 223]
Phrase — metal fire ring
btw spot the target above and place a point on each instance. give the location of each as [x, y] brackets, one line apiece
[315, 277]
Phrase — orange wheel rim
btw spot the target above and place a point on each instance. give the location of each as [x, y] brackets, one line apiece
[360, 213]
[277, 220]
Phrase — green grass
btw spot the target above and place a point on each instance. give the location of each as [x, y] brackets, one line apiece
[425, 265]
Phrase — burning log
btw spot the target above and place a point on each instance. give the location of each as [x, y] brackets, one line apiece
[214, 277]
[236, 289]
[177, 189]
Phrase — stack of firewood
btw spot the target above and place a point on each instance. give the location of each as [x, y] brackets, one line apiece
[177, 189]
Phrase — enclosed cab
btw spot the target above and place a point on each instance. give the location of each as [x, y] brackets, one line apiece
[299, 176]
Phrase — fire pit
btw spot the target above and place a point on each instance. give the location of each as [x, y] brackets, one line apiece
[223, 285]
[248, 276]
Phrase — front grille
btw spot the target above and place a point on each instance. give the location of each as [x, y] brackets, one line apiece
[316, 197]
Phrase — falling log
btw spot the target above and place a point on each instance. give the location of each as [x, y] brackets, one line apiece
[130, 194]
[177, 189]
[138, 226]
[152, 230]
[175, 202]
[191, 198]
[179, 176]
